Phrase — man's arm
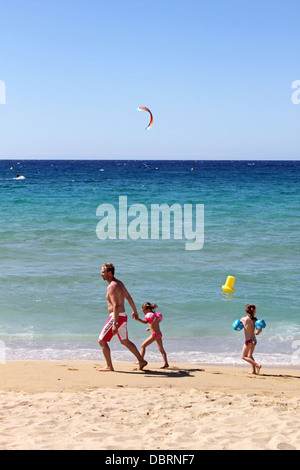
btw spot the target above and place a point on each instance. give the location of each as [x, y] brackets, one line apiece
[112, 291]
[129, 299]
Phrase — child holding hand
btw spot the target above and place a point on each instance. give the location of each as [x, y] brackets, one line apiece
[153, 318]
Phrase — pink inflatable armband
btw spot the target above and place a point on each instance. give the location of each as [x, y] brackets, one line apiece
[159, 316]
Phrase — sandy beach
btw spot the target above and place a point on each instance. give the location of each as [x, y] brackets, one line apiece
[70, 405]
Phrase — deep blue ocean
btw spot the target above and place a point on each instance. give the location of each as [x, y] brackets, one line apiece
[53, 303]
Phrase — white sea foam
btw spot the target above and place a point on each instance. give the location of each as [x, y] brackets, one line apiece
[287, 355]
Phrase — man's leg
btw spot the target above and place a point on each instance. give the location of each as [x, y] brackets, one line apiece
[104, 337]
[132, 348]
[107, 356]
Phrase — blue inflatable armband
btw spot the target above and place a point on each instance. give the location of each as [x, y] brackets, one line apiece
[237, 325]
[260, 324]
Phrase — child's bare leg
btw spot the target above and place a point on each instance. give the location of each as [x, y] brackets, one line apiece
[163, 353]
[146, 343]
[258, 366]
[247, 356]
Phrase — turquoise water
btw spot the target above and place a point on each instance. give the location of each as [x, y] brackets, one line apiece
[52, 295]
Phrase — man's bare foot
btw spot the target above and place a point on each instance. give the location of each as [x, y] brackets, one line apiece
[105, 369]
[258, 369]
[165, 366]
[142, 364]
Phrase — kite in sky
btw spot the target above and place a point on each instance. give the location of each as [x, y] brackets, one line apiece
[142, 108]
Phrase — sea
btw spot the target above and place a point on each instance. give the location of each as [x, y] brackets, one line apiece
[61, 222]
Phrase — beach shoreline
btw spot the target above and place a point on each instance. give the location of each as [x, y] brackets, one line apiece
[36, 376]
[70, 405]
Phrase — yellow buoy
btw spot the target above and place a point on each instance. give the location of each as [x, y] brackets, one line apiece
[228, 286]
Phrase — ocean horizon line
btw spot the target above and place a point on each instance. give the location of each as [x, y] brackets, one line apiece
[157, 159]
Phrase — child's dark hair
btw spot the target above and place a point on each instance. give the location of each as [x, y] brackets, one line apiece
[250, 310]
[148, 305]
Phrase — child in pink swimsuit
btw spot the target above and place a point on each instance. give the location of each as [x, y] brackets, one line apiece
[153, 318]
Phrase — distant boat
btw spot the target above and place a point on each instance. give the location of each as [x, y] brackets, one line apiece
[19, 177]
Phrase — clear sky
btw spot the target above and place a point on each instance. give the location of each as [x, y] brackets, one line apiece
[217, 76]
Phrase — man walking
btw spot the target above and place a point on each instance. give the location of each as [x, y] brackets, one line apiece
[117, 321]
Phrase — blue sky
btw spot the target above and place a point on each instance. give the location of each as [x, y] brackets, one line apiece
[217, 77]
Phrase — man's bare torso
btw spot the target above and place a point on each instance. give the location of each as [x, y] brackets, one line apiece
[115, 296]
